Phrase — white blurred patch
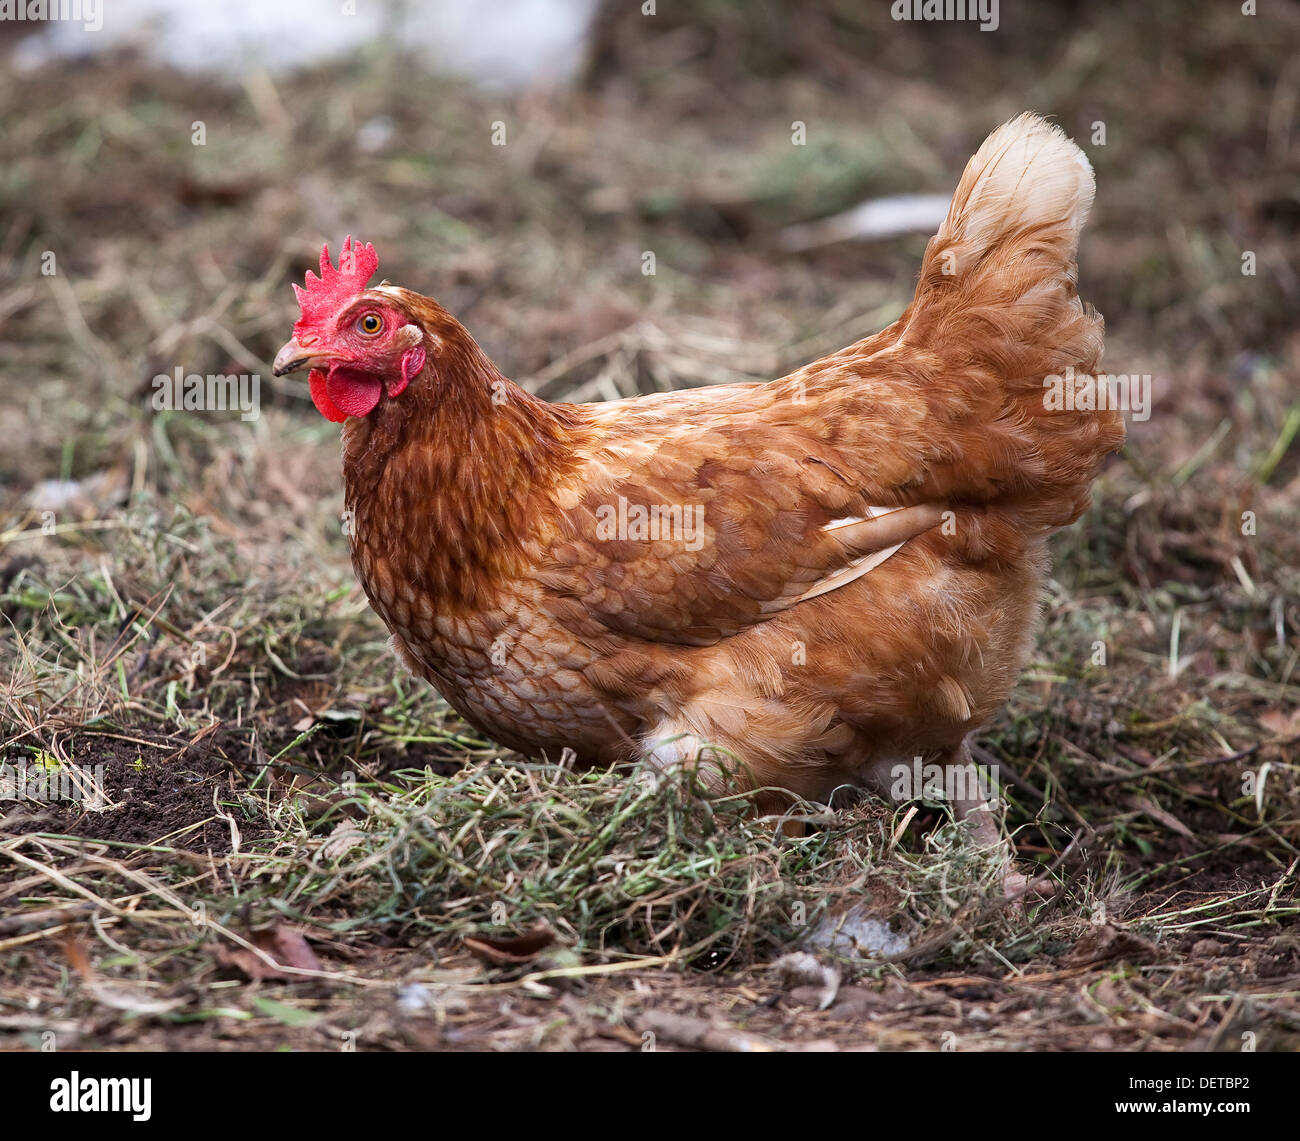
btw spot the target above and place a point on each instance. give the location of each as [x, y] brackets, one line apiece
[856, 935]
[375, 134]
[878, 218]
[802, 969]
[507, 43]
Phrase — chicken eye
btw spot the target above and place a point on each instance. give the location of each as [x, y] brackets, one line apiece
[370, 324]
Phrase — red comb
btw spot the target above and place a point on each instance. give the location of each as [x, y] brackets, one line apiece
[325, 295]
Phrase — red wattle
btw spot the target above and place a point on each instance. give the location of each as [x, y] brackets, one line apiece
[320, 398]
[353, 393]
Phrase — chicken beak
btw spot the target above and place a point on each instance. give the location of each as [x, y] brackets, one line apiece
[293, 357]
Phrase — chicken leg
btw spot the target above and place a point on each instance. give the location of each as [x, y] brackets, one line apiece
[976, 813]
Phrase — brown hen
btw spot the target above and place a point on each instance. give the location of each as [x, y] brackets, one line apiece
[819, 577]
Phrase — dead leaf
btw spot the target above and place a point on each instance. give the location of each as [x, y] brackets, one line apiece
[1105, 942]
[1282, 725]
[510, 950]
[344, 837]
[287, 947]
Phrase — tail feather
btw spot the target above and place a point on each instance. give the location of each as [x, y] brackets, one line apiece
[996, 313]
[1026, 174]
[1006, 252]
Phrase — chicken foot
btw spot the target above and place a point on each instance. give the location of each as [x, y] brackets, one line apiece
[977, 814]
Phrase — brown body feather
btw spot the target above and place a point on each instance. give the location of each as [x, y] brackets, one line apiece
[791, 629]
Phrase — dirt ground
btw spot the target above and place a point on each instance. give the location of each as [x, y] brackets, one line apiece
[279, 840]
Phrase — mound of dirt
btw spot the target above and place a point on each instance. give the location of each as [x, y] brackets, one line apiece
[140, 792]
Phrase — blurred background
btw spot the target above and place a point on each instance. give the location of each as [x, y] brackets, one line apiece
[166, 175]
[516, 159]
